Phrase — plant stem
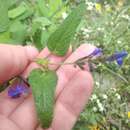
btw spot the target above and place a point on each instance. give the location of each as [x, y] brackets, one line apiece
[80, 62]
[62, 63]
[114, 73]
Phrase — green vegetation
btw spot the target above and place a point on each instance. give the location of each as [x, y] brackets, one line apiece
[43, 92]
[106, 25]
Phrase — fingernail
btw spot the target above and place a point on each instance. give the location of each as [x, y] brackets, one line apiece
[32, 52]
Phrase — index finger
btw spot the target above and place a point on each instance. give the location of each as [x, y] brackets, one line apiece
[14, 59]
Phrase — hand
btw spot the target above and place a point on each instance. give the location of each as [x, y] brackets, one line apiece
[72, 93]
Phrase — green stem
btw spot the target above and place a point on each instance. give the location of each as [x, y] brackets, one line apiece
[114, 73]
[83, 60]
[62, 63]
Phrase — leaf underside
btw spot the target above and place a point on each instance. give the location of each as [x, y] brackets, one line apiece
[43, 88]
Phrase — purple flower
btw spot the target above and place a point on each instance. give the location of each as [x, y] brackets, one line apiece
[118, 57]
[96, 52]
[17, 88]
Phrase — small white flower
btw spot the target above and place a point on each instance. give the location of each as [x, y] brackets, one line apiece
[112, 23]
[94, 96]
[104, 96]
[43, 28]
[82, 29]
[105, 2]
[94, 109]
[90, 5]
[118, 41]
[108, 7]
[86, 36]
[118, 96]
[64, 15]
[113, 89]
[126, 16]
[87, 30]
[101, 109]
[97, 83]
[100, 106]
[90, 8]
[98, 101]
[100, 29]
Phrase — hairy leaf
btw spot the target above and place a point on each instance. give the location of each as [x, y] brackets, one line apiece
[59, 41]
[17, 11]
[5, 37]
[18, 31]
[4, 20]
[43, 88]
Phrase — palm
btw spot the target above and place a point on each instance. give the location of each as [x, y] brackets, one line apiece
[72, 92]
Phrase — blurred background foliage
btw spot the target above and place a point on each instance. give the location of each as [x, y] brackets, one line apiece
[106, 25]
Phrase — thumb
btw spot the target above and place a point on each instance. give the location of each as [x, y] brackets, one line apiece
[14, 59]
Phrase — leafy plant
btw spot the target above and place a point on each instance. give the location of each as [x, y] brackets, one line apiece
[44, 91]
[106, 24]
[59, 41]
[33, 21]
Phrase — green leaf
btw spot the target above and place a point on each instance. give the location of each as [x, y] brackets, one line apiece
[54, 5]
[5, 37]
[4, 20]
[43, 88]
[44, 37]
[43, 9]
[12, 3]
[17, 11]
[28, 13]
[59, 42]
[40, 34]
[37, 39]
[18, 31]
[42, 21]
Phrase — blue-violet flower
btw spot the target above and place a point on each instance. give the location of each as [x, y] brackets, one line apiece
[97, 52]
[118, 57]
[17, 88]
